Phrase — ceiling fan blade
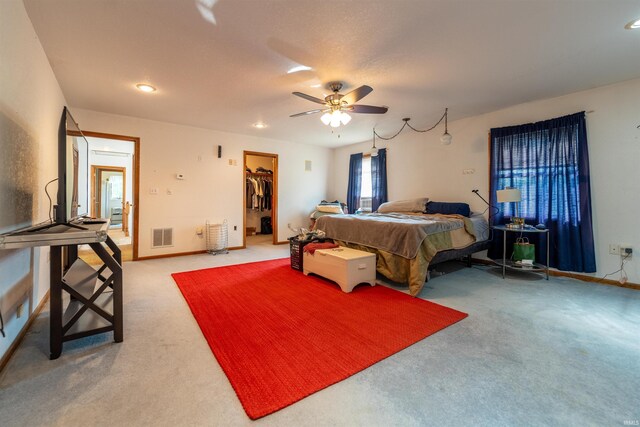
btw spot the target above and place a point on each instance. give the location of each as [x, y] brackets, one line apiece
[368, 109]
[357, 94]
[307, 112]
[310, 98]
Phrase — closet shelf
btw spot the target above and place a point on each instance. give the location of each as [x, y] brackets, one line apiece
[259, 174]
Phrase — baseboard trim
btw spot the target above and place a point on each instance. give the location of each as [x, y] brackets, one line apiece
[14, 346]
[283, 242]
[578, 276]
[176, 254]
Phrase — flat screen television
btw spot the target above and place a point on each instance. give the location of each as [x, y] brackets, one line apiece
[73, 171]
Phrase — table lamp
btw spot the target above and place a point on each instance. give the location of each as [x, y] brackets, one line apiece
[508, 195]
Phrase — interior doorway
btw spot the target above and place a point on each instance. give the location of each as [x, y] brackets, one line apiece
[109, 195]
[114, 191]
[260, 201]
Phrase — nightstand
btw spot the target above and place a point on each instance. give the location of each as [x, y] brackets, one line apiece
[511, 265]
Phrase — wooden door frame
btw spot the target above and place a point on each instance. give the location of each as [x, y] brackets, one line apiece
[274, 198]
[100, 168]
[136, 181]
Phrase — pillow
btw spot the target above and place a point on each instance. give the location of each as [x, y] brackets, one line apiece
[448, 208]
[411, 205]
[330, 208]
[335, 202]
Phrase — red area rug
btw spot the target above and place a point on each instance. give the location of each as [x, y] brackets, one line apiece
[281, 336]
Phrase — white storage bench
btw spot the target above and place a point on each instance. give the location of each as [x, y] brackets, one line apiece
[345, 266]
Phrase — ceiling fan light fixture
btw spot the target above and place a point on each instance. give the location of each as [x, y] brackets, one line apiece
[336, 104]
[335, 118]
[326, 118]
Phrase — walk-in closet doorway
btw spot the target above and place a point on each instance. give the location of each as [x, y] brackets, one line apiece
[260, 201]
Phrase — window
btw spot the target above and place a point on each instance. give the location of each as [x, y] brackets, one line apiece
[549, 163]
[367, 187]
[366, 191]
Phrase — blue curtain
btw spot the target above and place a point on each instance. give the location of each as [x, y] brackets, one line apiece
[355, 182]
[549, 162]
[379, 179]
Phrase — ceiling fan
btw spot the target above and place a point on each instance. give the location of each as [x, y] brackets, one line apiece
[337, 105]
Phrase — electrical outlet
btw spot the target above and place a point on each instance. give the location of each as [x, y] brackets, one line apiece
[614, 249]
[626, 251]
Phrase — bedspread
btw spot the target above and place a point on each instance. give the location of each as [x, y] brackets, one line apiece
[434, 233]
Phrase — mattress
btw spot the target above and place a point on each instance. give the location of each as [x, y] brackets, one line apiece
[480, 227]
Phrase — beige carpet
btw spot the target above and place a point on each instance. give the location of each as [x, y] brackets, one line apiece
[531, 352]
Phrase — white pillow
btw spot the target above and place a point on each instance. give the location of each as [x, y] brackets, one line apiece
[330, 208]
[411, 205]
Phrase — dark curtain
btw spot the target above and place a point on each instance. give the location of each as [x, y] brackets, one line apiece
[379, 179]
[549, 162]
[355, 182]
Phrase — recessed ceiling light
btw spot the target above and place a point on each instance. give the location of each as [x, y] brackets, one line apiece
[259, 125]
[298, 68]
[633, 25]
[316, 85]
[145, 87]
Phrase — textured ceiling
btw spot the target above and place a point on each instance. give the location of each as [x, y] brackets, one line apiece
[419, 56]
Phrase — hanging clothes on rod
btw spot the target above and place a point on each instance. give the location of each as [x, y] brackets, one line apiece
[259, 192]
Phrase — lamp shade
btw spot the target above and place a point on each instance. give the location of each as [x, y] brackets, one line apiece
[326, 118]
[508, 195]
[446, 138]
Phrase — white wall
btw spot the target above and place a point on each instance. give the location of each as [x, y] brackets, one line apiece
[212, 189]
[31, 105]
[418, 165]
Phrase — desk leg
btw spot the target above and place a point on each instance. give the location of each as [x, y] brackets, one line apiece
[55, 303]
[547, 269]
[118, 325]
[116, 269]
[504, 254]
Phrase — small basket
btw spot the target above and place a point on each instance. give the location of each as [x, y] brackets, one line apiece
[217, 238]
[296, 248]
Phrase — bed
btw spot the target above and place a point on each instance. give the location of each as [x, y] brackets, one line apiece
[407, 244]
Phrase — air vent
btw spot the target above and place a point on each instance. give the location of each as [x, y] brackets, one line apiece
[161, 237]
[365, 204]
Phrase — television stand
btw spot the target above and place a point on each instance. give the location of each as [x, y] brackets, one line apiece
[94, 303]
